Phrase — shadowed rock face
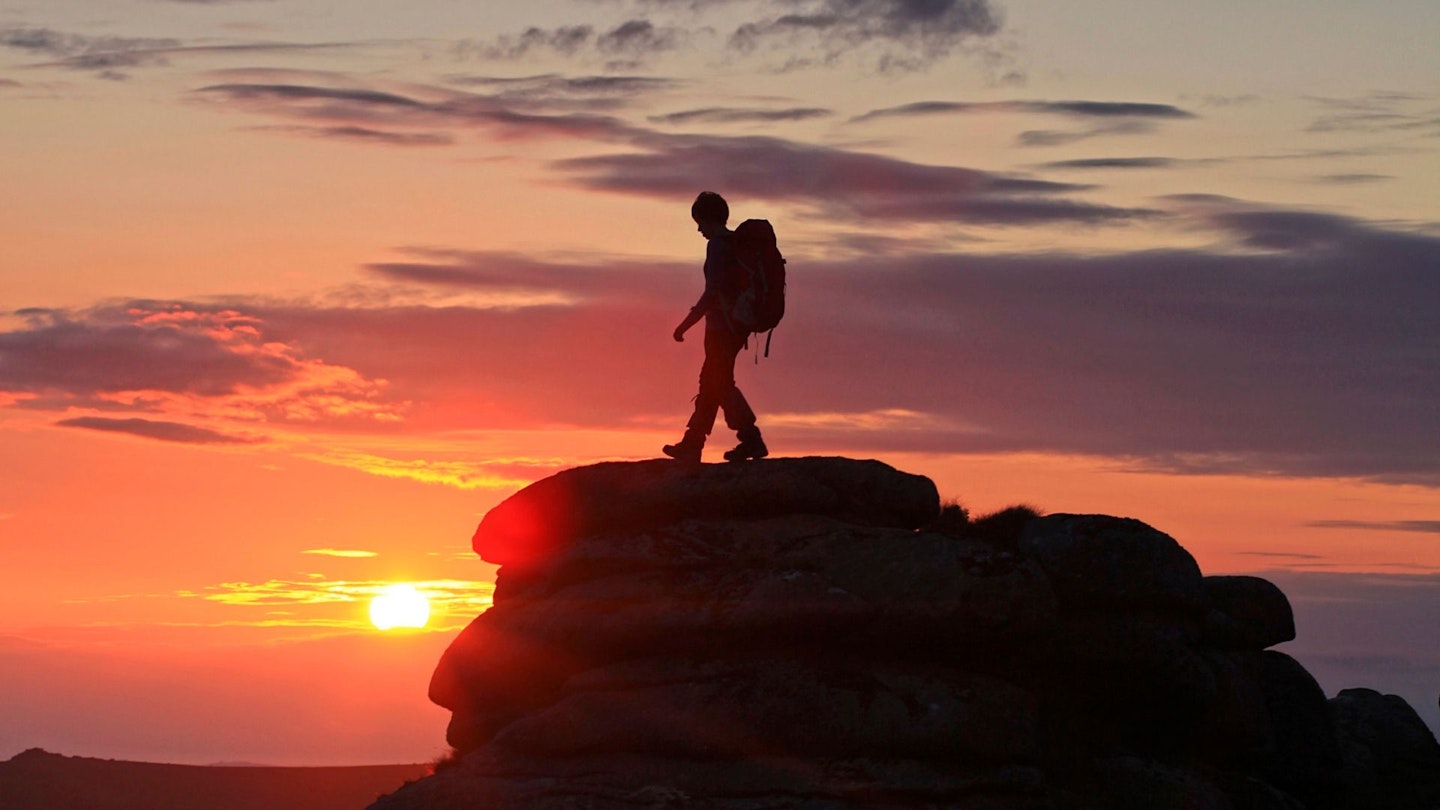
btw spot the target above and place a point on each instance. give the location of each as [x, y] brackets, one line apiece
[802, 633]
[634, 496]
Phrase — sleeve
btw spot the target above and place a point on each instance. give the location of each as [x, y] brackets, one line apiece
[717, 264]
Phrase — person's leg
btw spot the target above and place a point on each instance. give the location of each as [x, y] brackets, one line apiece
[717, 380]
[740, 417]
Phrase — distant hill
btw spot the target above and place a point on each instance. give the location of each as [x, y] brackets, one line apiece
[40, 780]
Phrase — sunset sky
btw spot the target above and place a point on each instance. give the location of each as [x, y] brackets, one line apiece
[291, 292]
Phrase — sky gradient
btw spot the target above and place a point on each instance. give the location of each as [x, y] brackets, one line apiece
[292, 292]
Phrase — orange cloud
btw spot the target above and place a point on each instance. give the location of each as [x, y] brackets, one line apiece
[304, 603]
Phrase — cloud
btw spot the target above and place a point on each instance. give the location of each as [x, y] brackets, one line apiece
[1281, 555]
[142, 347]
[1070, 109]
[1352, 179]
[1294, 343]
[565, 40]
[181, 359]
[740, 115]
[837, 182]
[457, 599]
[1297, 344]
[1114, 163]
[1113, 117]
[1169, 162]
[639, 38]
[363, 98]
[1425, 526]
[554, 91]
[467, 475]
[344, 553]
[80, 52]
[368, 108]
[906, 34]
[106, 55]
[1213, 100]
[518, 280]
[152, 429]
[842, 183]
[1379, 112]
[365, 135]
[1061, 137]
[636, 40]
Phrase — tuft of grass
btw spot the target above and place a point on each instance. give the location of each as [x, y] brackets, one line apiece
[953, 520]
[1003, 528]
[1000, 528]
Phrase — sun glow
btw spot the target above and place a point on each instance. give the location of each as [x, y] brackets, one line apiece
[399, 606]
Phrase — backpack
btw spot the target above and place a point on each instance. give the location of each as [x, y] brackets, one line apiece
[760, 298]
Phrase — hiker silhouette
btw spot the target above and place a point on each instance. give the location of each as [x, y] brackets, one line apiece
[723, 342]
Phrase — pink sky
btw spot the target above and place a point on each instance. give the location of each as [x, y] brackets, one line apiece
[291, 295]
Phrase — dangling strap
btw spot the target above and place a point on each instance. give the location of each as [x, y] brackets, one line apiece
[768, 335]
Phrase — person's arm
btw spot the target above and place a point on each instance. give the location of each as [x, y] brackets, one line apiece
[696, 313]
[717, 259]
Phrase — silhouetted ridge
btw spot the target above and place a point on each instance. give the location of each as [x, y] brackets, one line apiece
[39, 780]
[818, 633]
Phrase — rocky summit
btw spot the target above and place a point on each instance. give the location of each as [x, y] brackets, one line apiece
[815, 633]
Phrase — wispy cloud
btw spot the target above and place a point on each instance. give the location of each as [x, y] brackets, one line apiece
[155, 429]
[1354, 179]
[1296, 343]
[330, 107]
[1106, 117]
[344, 553]
[458, 474]
[836, 182]
[1378, 112]
[638, 39]
[108, 56]
[202, 362]
[1069, 109]
[569, 93]
[634, 41]
[303, 602]
[1281, 555]
[741, 115]
[888, 35]
[1114, 163]
[365, 135]
[839, 182]
[1062, 137]
[516, 280]
[1156, 162]
[901, 34]
[1423, 526]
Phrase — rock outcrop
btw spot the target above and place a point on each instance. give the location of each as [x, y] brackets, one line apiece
[804, 633]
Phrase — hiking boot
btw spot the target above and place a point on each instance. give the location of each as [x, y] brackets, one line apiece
[686, 450]
[748, 449]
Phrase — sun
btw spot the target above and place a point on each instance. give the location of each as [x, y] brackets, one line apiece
[399, 606]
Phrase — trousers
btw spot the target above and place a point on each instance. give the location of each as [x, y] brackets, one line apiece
[717, 385]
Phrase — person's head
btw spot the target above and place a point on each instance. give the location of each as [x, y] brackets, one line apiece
[710, 212]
